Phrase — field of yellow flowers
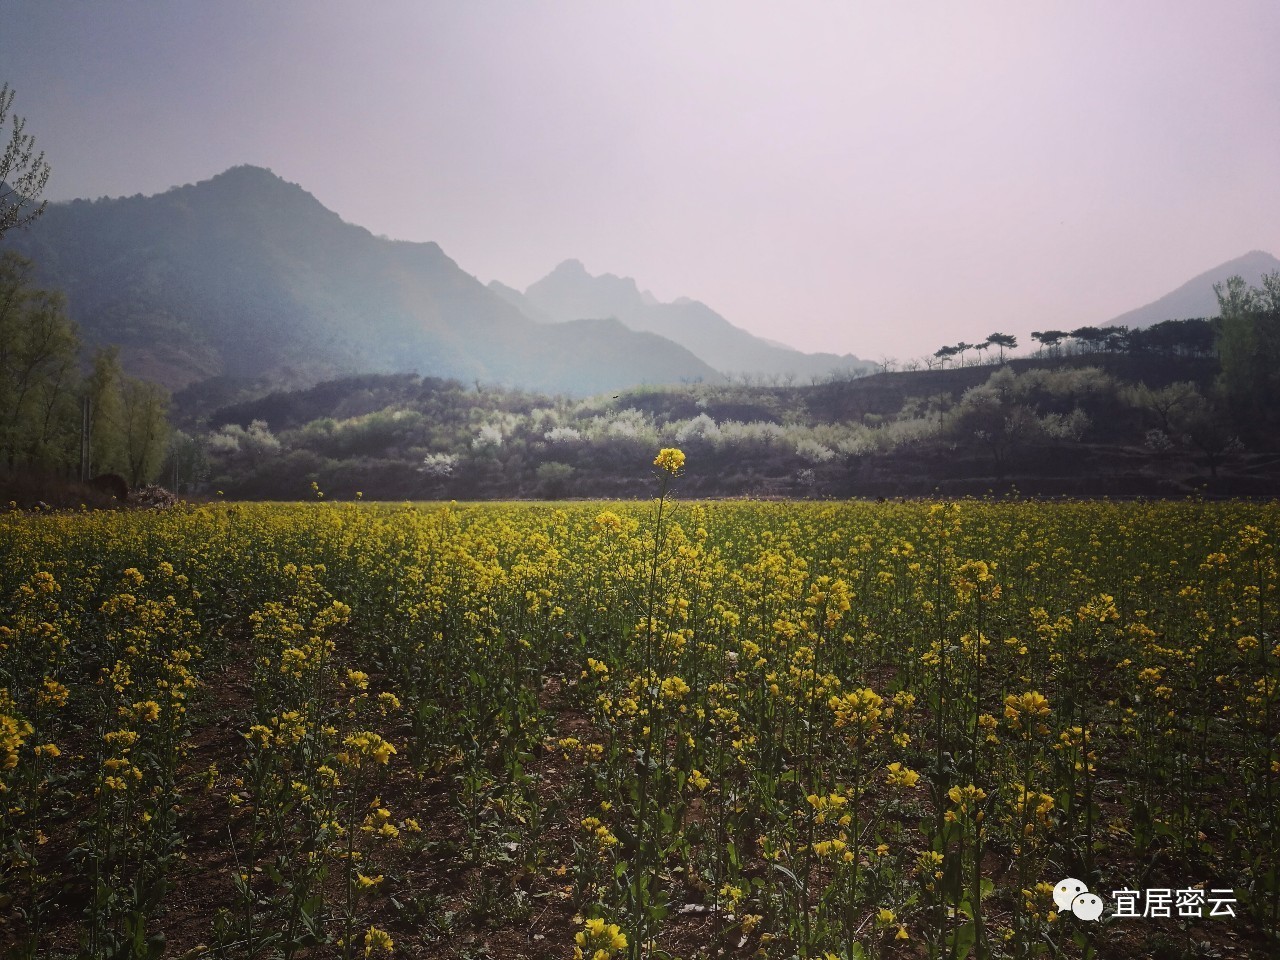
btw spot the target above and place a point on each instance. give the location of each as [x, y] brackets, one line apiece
[645, 729]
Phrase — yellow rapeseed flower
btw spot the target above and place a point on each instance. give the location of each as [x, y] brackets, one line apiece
[669, 459]
[900, 776]
[376, 939]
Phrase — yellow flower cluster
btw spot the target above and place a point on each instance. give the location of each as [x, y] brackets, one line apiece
[716, 671]
[1025, 710]
[860, 710]
[377, 940]
[669, 459]
[363, 746]
[598, 940]
[14, 731]
[966, 800]
[900, 776]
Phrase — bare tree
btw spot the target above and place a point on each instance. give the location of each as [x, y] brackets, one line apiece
[23, 172]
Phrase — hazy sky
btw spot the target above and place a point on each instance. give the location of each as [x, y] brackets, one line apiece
[880, 178]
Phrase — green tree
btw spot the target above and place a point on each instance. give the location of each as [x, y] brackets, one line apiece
[187, 463]
[1207, 428]
[1093, 336]
[1050, 339]
[1166, 404]
[1003, 341]
[144, 407]
[553, 478]
[102, 388]
[990, 415]
[1190, 338]
[1249, 344]
[38, 349]
[23, 172]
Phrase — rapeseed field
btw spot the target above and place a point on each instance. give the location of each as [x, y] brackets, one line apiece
[640, 729]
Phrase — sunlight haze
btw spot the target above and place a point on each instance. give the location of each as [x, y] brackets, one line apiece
[874, 179]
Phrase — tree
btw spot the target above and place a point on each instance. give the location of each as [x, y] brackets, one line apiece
[990, 415]
[144, 406]
[553, 478]
[187, 464]
[1192, 338]
[1090, 335]
[248, 449]
[38, 348]
[1004, 341]
[1166, 403]
[23, 172]
[1050, 339]
[102, 390]
[943, 354]
[1117, 340]
[1208, 429]
[1249, 344]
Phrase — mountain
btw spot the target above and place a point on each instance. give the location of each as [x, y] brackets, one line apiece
[1196, 298]
[248, 276]
[569, 292]
[519, 301]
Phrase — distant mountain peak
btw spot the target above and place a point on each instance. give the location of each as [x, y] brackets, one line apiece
[247, 171]
[1196, 297]
[571, 267]
[569, 293]
[249, 178]
[246, 275]
[576, 294]
[1260, 258]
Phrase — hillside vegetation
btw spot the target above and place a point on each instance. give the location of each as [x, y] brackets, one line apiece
[1150, 422]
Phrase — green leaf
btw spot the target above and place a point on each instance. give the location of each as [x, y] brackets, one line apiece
[964, 938]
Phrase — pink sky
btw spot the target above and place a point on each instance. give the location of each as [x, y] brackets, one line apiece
[854, 177]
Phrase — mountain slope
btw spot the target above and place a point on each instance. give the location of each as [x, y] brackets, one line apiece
[246, 275]
[518, 300]
[1196, 298]
[569, 292]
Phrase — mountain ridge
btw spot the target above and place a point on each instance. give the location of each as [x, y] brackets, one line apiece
[1196, 297]
[569, 292]
[247, 275]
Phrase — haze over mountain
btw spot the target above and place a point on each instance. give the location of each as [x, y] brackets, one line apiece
[1196, 298]
[249, 276]
[569, 292]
